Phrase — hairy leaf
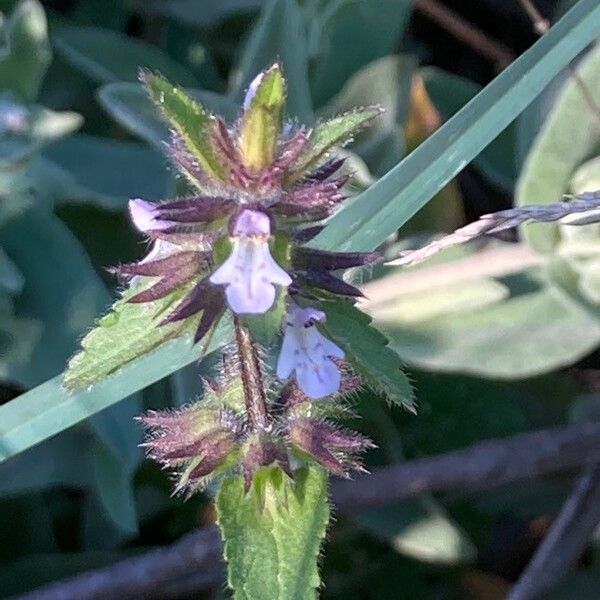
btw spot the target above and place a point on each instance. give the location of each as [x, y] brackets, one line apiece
[189, 119]
[128, 104]
[125, 333]
[273, 533]
[260, 124]
[326, 134]
[367, 351]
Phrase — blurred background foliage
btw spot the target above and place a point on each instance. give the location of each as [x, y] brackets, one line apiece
[499, 337]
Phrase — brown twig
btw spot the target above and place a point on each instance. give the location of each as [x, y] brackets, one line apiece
[566, 540]
[146, 577]
[482, 466]
[252, 381]
[466, 32]
[541, 26]
[195, 559]
[540, 23]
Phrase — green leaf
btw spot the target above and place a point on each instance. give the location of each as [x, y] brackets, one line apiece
[385, 82]
[377, 213]
[388, 204]
[189, 119]
[135, 170]
[569, 136]
[122, 335]
[325, 135]
[11, 279]
[273, 533]
[279, 34]
[367, 351]
[26, 56]
[62, 292]
[107, 56]
[533, 317]
[421, 530]
[337, 27]
[260, 124]
[43, 127]
[129, 105]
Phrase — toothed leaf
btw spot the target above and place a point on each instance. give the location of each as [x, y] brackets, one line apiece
[367, 351]
[336, 131]
[127, 332]
[261, 121]
[189, 119]
[273, 533]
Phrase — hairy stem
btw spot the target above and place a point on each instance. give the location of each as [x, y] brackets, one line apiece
[252, 380]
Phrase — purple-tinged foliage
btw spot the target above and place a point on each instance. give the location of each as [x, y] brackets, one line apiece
[335, 449]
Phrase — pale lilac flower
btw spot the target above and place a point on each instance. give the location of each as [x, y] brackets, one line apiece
[309, 353]
[145, 217]
[250, 273]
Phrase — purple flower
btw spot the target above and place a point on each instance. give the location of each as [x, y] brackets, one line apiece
[250, 273]
[309, 353]
[145, 216]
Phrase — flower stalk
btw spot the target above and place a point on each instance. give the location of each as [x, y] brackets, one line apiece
[252, 379]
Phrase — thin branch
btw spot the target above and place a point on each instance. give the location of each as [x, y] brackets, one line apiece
[540, 23]
[484, 465]
[541, 26]
[195, 559]
[566, 540]
[465, 32]
[252, 380]
[507, 219]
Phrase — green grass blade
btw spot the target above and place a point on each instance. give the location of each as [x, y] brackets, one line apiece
[50, 408]
[396, 197]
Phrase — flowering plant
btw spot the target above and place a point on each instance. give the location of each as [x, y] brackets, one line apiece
[233, 253]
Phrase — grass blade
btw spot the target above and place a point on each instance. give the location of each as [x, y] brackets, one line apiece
[396, 197]
[49, 408]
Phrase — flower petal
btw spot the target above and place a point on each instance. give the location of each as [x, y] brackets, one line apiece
[249, 274]
[242, 301]
[286, 362]
[318, 379]
[143, 216]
